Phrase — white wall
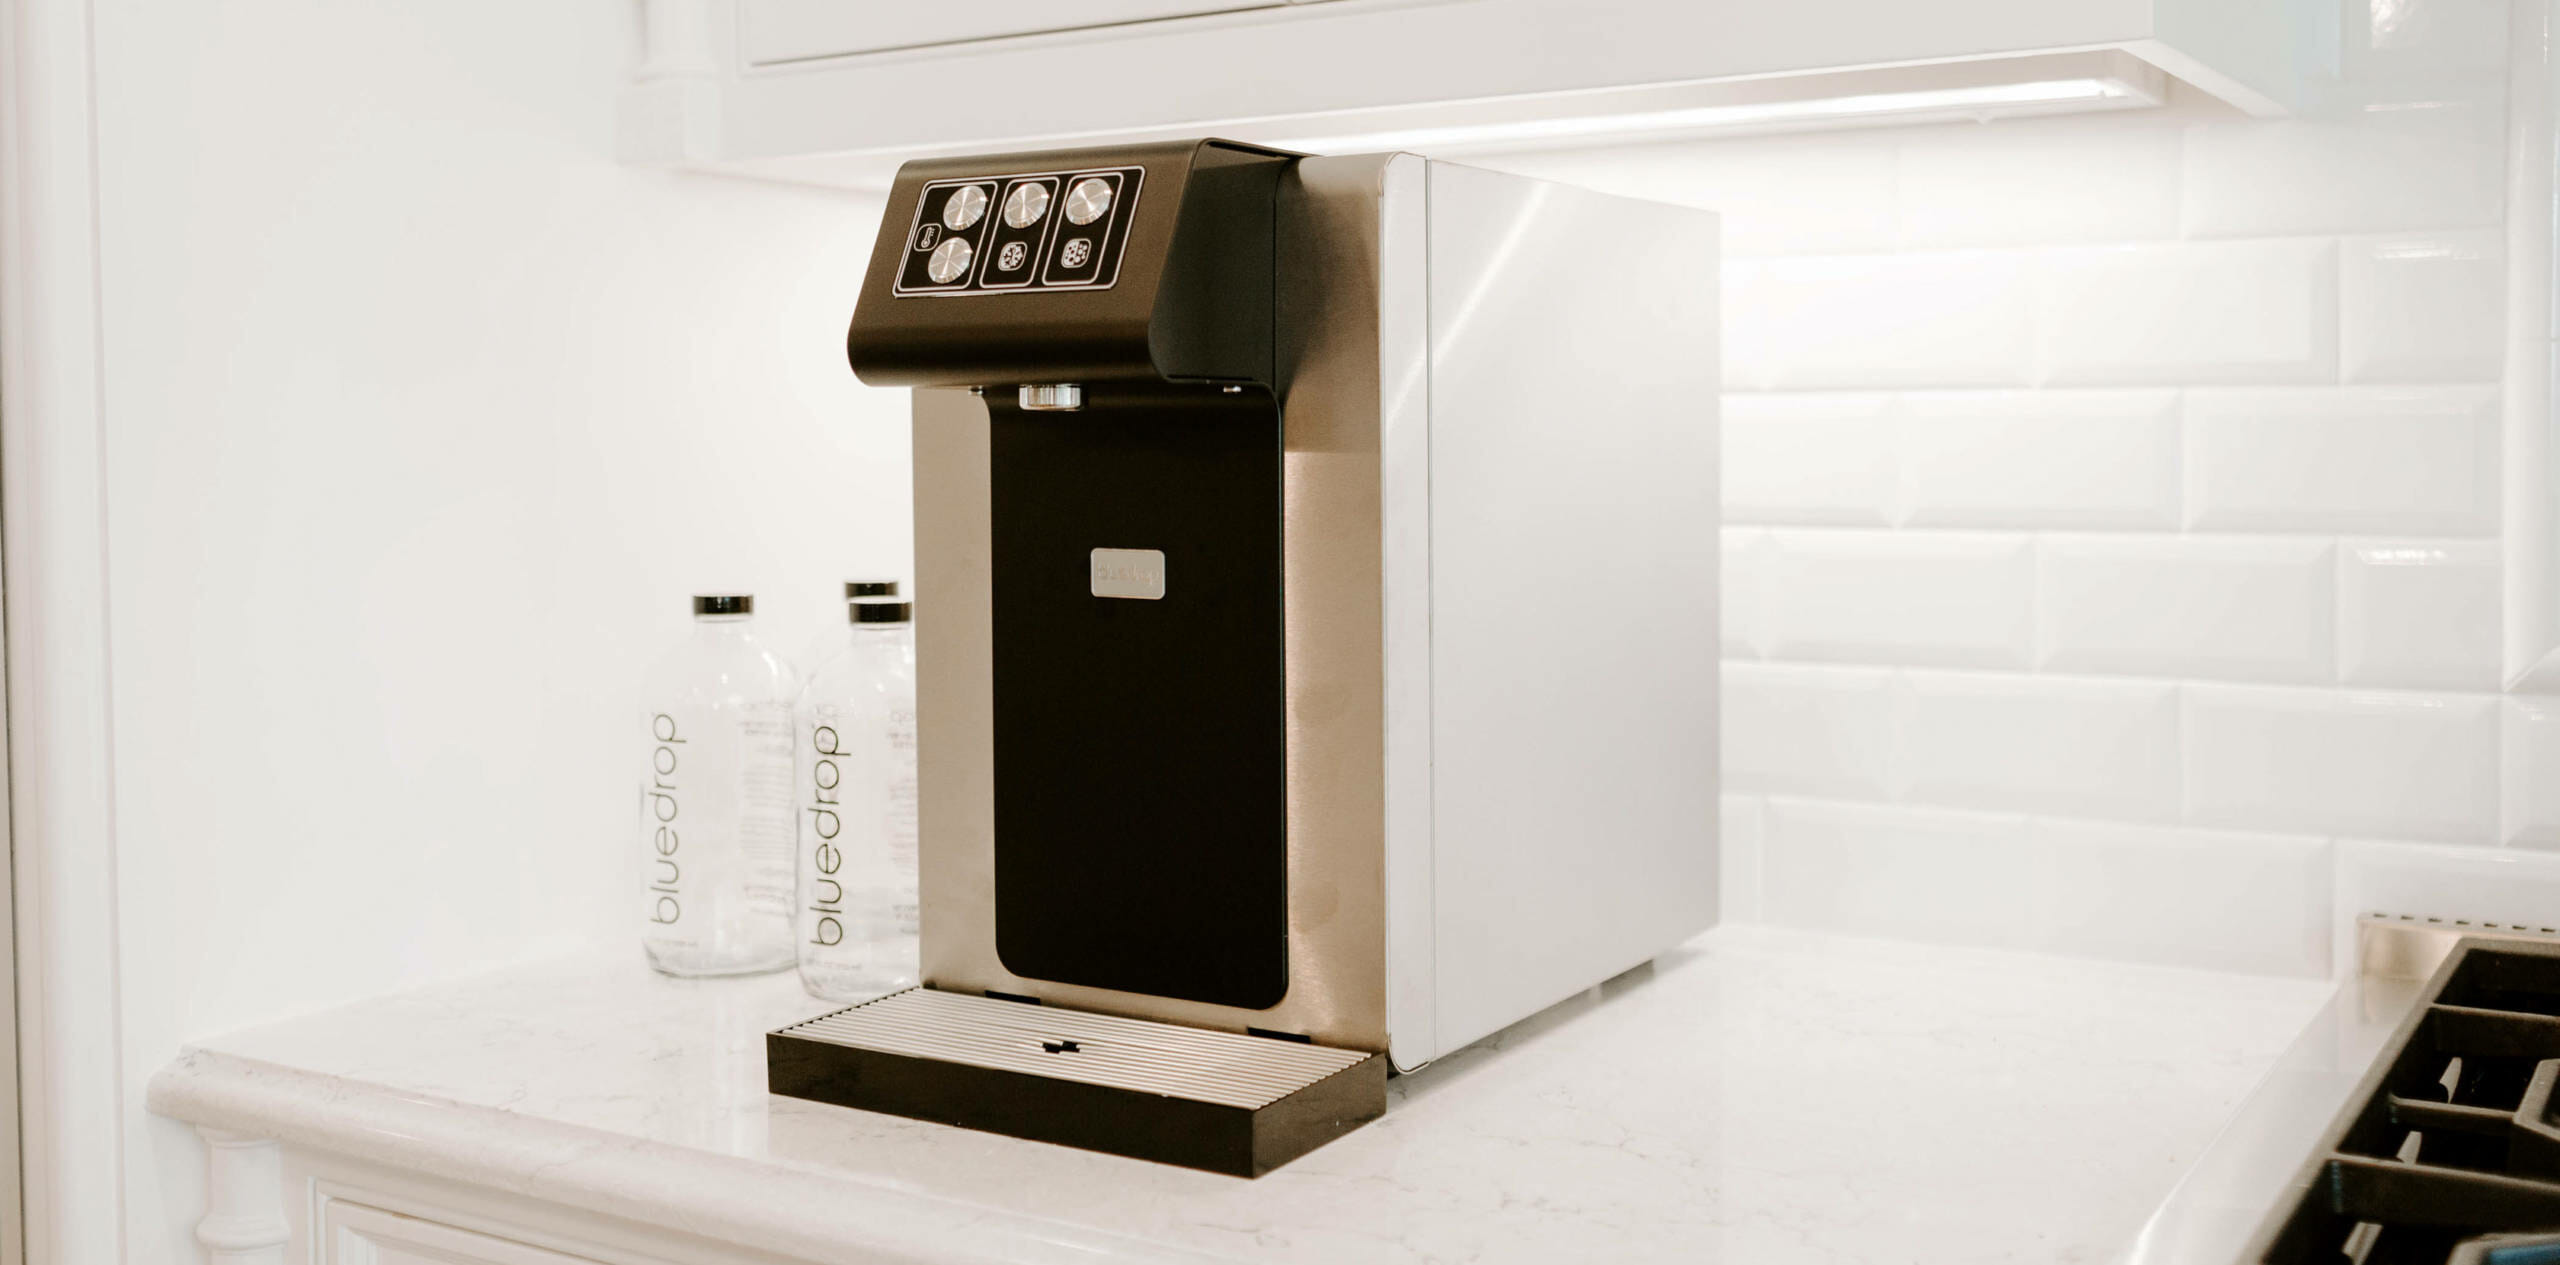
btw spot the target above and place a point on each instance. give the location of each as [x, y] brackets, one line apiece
[2112, 509]
[422, 419]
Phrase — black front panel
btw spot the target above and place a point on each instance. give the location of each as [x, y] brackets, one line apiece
[1141, 820]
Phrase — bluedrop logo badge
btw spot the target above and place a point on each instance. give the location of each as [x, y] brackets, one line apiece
[825, 892]
[1135, 573]
[666, 888]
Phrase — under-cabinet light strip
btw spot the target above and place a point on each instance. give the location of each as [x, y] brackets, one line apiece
[1984, 100]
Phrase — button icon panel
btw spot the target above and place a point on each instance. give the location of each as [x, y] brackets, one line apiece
[1059, 230]
[1087, 248]
[948, 237]
[1017, 245]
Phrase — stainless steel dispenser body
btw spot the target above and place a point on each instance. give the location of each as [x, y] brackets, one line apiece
[1489, 777]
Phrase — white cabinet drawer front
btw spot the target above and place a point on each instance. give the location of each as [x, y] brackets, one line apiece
[772, 31]
[354, 1234]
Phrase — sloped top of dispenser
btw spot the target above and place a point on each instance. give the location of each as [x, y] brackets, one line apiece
[1117, 264]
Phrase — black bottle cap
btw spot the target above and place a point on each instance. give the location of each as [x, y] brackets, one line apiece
[723, 604]
[870, 588]
[879, 611]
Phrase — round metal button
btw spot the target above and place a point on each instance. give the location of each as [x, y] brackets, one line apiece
[1026, 204]
[965, 207]
[950, 261]
[1089, 200]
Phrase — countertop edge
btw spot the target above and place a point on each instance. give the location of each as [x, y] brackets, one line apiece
[768, 1207]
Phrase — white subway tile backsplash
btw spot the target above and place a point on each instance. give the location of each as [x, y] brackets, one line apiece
[2260, 311]
[2227, 606]
[1958, 599]
[2078, 747]
[1738, 855]
[1738, 594]
[1749, 353]
[2422, 308]
[2373, 171]
[2040, 459]
[1846, 322]
[2029, 182]
[1810, 458]
[2420, 613]
[2222, 900]
[2530, 764]
[1805, 730]
[1911, 873]
[2414, 766]
[2514, 886]
[2104, 492]
[1776, 196]
[2530, 817]
[2386, 460]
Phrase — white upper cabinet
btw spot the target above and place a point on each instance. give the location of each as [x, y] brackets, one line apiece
[840, 91]
[773, 32]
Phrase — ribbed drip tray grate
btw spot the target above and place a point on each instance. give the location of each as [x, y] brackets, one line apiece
[1217, 1100]
[1220, 1067]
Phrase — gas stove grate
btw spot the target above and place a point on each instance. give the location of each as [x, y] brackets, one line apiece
[2449, 1151]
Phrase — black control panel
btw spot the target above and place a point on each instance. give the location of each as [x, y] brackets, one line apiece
[1126, 263]
[1058, 230]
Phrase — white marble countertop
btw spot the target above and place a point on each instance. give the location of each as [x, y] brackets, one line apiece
[1758, 1095]
[2250, 1167]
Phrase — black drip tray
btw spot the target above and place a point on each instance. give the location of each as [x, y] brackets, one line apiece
[1221, 1101]
[2449, 1151]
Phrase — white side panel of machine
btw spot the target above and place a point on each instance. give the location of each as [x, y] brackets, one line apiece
[1404, 564]
[1573, 485]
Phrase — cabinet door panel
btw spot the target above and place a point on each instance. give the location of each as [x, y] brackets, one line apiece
[771, 31]
[353, 1234]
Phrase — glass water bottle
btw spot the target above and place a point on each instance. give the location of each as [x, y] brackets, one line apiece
[716, 824]
[856, 733]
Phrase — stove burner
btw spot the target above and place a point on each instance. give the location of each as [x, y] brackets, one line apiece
[2449, 1153]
